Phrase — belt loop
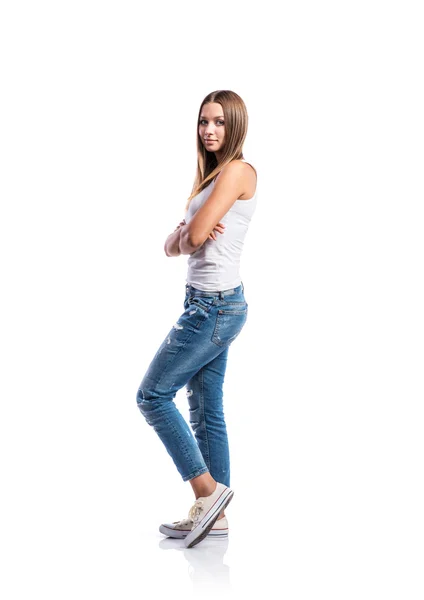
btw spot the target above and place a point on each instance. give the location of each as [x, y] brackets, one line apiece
[221, 295]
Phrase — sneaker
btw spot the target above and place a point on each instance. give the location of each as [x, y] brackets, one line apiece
[180, 529]
[205, 511]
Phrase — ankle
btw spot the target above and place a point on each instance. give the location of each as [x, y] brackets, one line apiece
[206, 491]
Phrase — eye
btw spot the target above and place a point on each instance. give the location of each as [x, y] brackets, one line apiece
[204, 121]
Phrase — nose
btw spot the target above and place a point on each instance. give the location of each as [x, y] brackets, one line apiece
[210, 129]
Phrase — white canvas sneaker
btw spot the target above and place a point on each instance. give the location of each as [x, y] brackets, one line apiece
[205, 511]
[180, 529]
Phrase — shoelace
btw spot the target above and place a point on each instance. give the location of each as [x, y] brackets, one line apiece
[195, 510]
[183, 522]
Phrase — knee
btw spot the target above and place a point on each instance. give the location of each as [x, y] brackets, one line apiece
[142, 393]
[145, 398]
[139, 397]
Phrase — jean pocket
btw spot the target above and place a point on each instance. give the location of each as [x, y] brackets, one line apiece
[229, 323]
[203, 302]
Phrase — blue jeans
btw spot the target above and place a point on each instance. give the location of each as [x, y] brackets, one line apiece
[194, 353]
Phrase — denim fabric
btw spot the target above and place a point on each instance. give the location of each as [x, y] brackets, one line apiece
[194, 354]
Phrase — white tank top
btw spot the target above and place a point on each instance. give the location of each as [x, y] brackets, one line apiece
[215, 265]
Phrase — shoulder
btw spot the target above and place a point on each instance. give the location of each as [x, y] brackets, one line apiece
[235, 169]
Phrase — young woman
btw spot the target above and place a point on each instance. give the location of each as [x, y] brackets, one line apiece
[194, 353]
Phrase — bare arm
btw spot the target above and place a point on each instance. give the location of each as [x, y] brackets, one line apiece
[178, 242]
[229, 186]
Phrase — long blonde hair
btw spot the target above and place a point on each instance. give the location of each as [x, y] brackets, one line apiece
[236, 121]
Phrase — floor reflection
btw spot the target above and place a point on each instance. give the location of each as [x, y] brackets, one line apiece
[206, 562]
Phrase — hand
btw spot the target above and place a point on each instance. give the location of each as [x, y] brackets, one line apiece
[180, 225]
[220, 227]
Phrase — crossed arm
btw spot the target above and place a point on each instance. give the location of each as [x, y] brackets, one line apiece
[187, 238]
[179, 242]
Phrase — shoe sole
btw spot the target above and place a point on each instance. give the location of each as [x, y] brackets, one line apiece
[194, 537]
[180, 534]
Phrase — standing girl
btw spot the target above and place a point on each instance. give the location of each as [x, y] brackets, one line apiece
[194, 353]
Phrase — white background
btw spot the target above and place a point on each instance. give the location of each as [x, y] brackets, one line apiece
[324, 387]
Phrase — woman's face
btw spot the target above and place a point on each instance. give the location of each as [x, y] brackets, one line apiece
[212, 127]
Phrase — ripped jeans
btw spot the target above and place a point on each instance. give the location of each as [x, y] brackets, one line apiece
[194, 354]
